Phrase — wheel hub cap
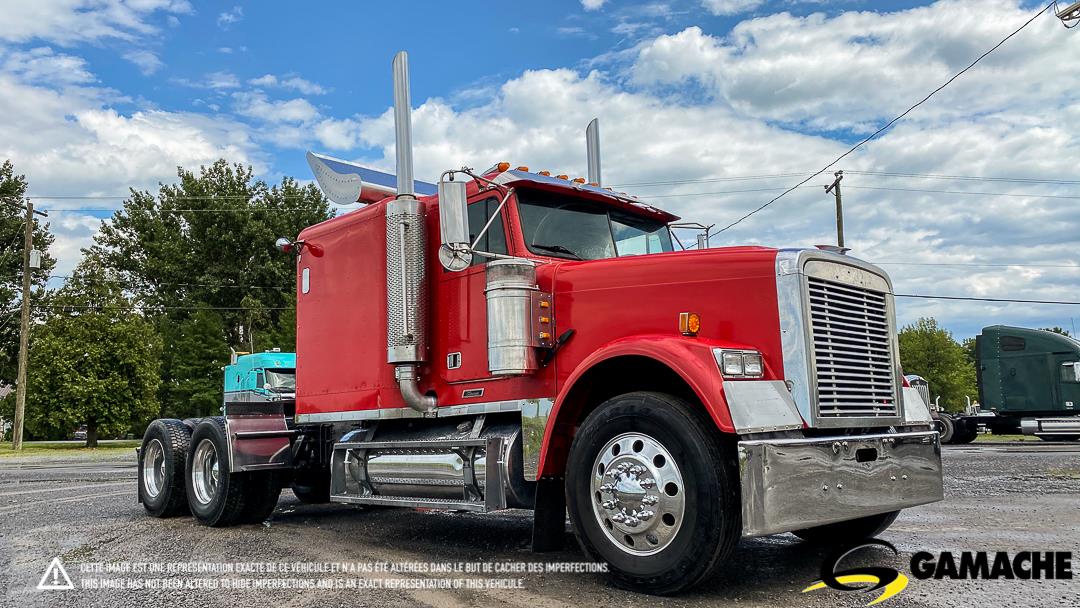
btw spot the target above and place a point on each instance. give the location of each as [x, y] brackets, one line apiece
[204, 471]
[637, 493]
[153, 468]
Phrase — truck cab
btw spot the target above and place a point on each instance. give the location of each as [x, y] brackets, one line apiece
[510, 338]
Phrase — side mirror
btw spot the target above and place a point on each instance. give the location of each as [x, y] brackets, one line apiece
[454, 254]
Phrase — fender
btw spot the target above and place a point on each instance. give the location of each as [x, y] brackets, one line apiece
[690, 358]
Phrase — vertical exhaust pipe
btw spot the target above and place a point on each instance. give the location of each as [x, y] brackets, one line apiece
[592, 150]
[406, 272]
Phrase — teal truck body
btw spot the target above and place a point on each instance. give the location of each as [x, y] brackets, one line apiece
[257, 377]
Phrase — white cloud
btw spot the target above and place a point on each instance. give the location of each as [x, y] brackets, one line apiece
[592, 5]
[72, 21]
[257, 105]
[731, 7]
[147, 62]
[69, 141]
[293, 82]
[857, 68]
[228, 18]
[44, 65]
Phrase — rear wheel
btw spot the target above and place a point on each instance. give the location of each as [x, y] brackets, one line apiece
[262, 490]
[945, 427]
[162, 462]
[215, 494]
[651, 492]
[846, 532]
[312, 488]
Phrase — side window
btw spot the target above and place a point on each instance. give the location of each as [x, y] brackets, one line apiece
[1070, 373]
[1012, 343]
[494, 240]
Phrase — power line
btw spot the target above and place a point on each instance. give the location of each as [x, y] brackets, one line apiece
[151, 307]
[973, 178]
[891, 122]
[975, 265]
[930, 191]
[974, 299]
[152, 284]
[934, 176]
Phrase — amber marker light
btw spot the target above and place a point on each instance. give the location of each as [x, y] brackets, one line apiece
[689, 323]
[523, 168]
[503, 167]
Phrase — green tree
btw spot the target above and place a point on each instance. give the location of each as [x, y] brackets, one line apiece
[1057, 330]
[206, 244]
[931, 352]
[12, 231]
[95, 361]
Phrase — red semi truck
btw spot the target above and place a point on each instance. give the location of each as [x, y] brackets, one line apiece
[510, 339]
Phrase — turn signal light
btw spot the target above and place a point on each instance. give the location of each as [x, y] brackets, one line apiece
[689, 323]
[503, 167]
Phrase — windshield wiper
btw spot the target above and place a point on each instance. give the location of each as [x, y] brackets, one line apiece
[558, 249]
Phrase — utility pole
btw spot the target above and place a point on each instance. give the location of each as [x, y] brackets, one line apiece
[834, 188]
[24, 333]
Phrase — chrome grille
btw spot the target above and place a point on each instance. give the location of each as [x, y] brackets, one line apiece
[853, 350]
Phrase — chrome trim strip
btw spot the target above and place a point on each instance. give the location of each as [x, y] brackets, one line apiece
[443, 411]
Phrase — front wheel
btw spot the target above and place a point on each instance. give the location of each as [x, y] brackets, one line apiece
[847, 532]
[650, 491]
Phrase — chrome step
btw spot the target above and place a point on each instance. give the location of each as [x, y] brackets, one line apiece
[414, 503]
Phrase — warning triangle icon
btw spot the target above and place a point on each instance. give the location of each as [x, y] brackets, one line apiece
[55, 577]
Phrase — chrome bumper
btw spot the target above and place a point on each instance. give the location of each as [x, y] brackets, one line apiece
[791, 484]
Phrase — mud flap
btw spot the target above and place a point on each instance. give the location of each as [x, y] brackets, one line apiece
[549, 515]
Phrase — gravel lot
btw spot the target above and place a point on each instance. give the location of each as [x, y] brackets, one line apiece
[998, 498]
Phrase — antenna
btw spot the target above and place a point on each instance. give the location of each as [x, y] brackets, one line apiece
[403, 125]
[592, 149]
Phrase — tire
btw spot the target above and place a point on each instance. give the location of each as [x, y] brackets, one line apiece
[946, 428]
[161, 484]
[215, 495]
[680, 468]
[967, 436]
[312, 489]
[846, 532]
[262, 491]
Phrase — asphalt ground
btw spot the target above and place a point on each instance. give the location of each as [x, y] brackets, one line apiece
[84, 511]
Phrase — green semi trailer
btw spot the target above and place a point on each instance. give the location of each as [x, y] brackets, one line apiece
[1029, 382]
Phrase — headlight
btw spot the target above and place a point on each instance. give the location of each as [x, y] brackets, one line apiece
[739, 363]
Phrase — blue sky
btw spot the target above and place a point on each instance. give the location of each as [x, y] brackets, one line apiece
[103, 95]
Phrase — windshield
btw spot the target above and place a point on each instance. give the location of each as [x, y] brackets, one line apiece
[564, 227]
[281, 380]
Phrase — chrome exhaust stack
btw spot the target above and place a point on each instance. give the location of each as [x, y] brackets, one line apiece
[406, 272]
[592, 150]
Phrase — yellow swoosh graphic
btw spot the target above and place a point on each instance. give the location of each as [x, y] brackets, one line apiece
[888, 591]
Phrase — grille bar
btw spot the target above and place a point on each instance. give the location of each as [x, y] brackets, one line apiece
[853, 351]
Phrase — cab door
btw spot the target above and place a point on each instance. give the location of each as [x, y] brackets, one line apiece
[465, 351]
[1068, 388]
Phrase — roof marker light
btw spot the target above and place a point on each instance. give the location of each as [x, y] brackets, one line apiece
[563, 176]
[545, 173]
[523, 168]
[579, 180]
[503, 166]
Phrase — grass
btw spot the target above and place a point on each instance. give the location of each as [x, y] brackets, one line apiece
[987, 438]
[62, 448]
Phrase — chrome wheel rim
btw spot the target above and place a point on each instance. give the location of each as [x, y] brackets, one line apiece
[638, 494]
[205, 472]
[153, 472]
